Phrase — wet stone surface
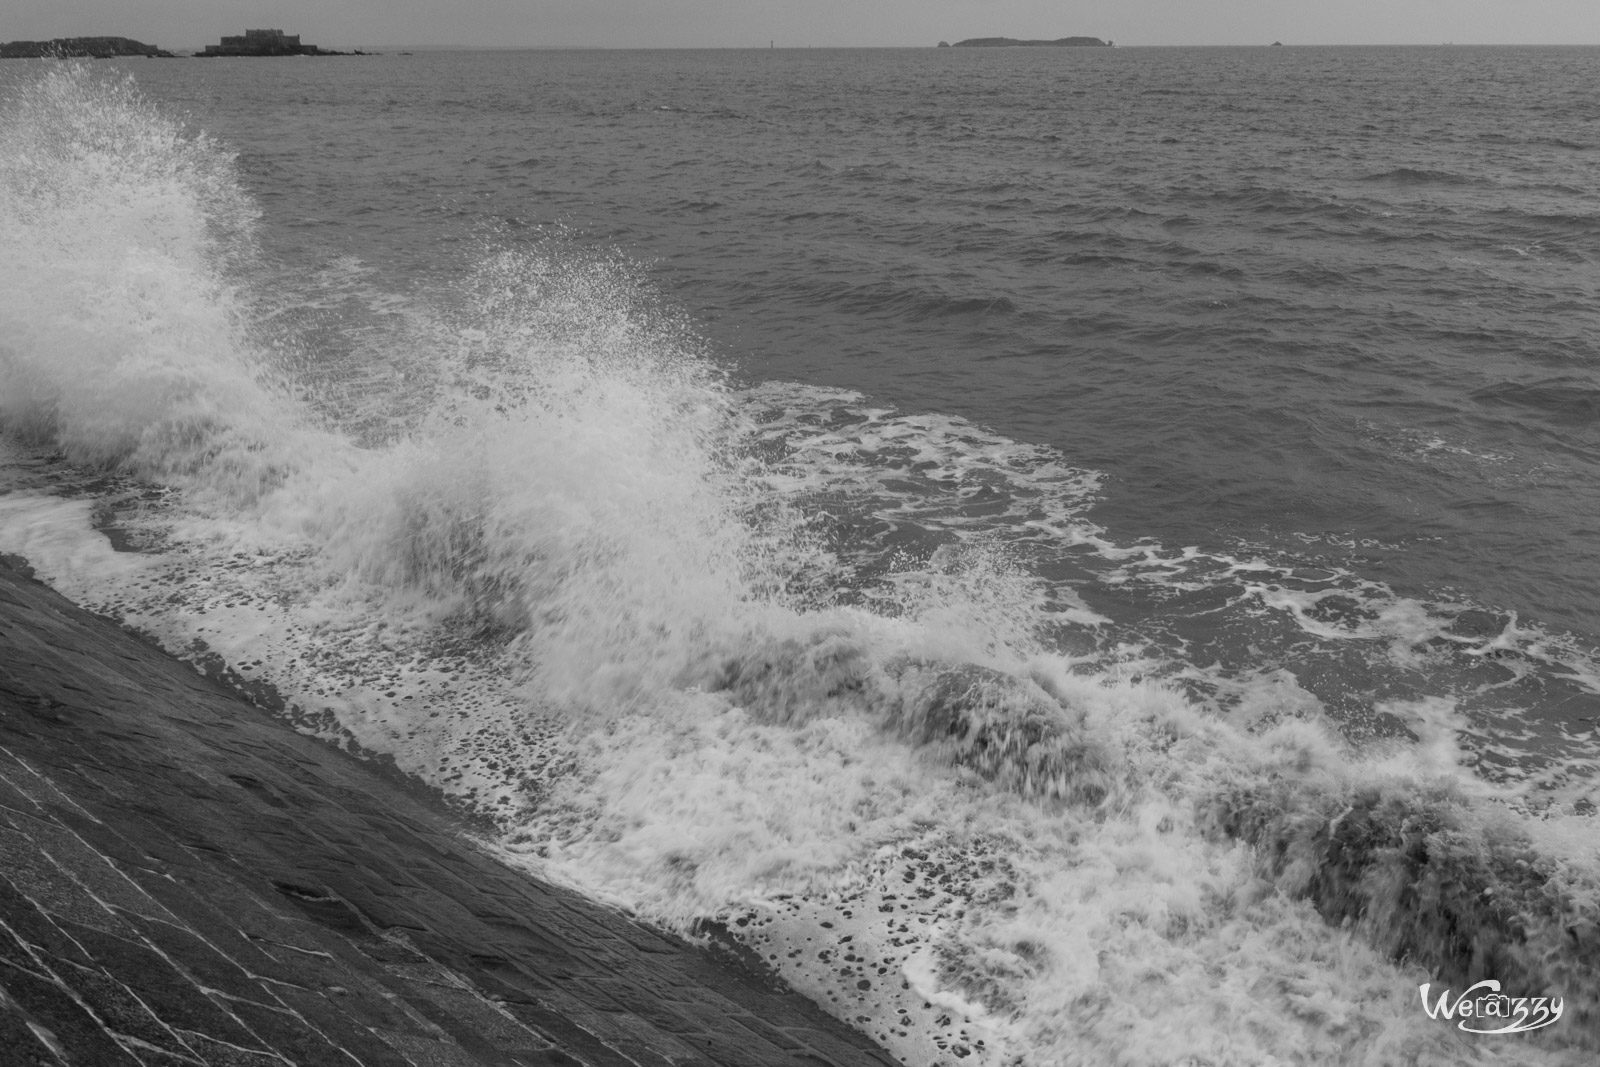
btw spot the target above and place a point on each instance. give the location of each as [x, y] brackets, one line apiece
[184, 880]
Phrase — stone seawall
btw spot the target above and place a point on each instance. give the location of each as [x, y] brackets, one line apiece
[184, 880]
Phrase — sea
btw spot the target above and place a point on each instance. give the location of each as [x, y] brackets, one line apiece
[1064, 556]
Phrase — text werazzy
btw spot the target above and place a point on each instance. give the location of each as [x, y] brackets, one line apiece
[1483, 1009]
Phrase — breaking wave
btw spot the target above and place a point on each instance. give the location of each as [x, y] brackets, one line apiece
[768, 664]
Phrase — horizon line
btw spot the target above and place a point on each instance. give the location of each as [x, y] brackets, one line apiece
[771, 46]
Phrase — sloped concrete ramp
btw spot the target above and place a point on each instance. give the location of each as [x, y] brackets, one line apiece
[185, 880]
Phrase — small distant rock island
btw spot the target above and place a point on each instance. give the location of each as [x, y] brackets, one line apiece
[81, 48]
[266, 43]
[1012, 42]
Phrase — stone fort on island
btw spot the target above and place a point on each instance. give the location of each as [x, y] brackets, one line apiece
[264, 43]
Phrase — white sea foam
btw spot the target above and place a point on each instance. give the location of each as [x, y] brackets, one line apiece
[122, 339]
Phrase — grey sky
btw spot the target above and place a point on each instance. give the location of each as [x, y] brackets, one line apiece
[796, 23]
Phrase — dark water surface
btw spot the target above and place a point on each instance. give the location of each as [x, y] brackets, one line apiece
[1338, 295]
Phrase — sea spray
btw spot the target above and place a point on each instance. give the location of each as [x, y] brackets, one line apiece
[1428, 879]
[124, 343]
[577, 486]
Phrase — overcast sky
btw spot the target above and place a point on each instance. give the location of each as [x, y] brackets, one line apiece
[177, 24]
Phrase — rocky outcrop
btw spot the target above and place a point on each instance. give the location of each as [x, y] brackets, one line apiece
[80, 47]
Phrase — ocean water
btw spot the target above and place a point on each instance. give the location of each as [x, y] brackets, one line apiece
[1069, 556]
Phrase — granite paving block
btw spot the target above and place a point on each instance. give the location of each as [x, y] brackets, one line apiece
[293, 1038]
[31, 873]
[567, 1034]
[51, 1006]
[114, 845]
[765, 1031]
[323, 1016]
[548, 1058]
[302, 969]
[210, 924]
[12, 796]
[96, 873]
[46, 938]
[194, 956]
[150, 1057]
[458, 1011]
[649, 1046]
[431, 1052]
[23, 1046]
[170, 994]
[218, 1053]
[379, 1009]
[835, 1047]
[118, 1007]
[17, 954]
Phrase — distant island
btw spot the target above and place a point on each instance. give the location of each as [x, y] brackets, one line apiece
[266, 43]
[250, 43]
[79, 48]
[1012, 42]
